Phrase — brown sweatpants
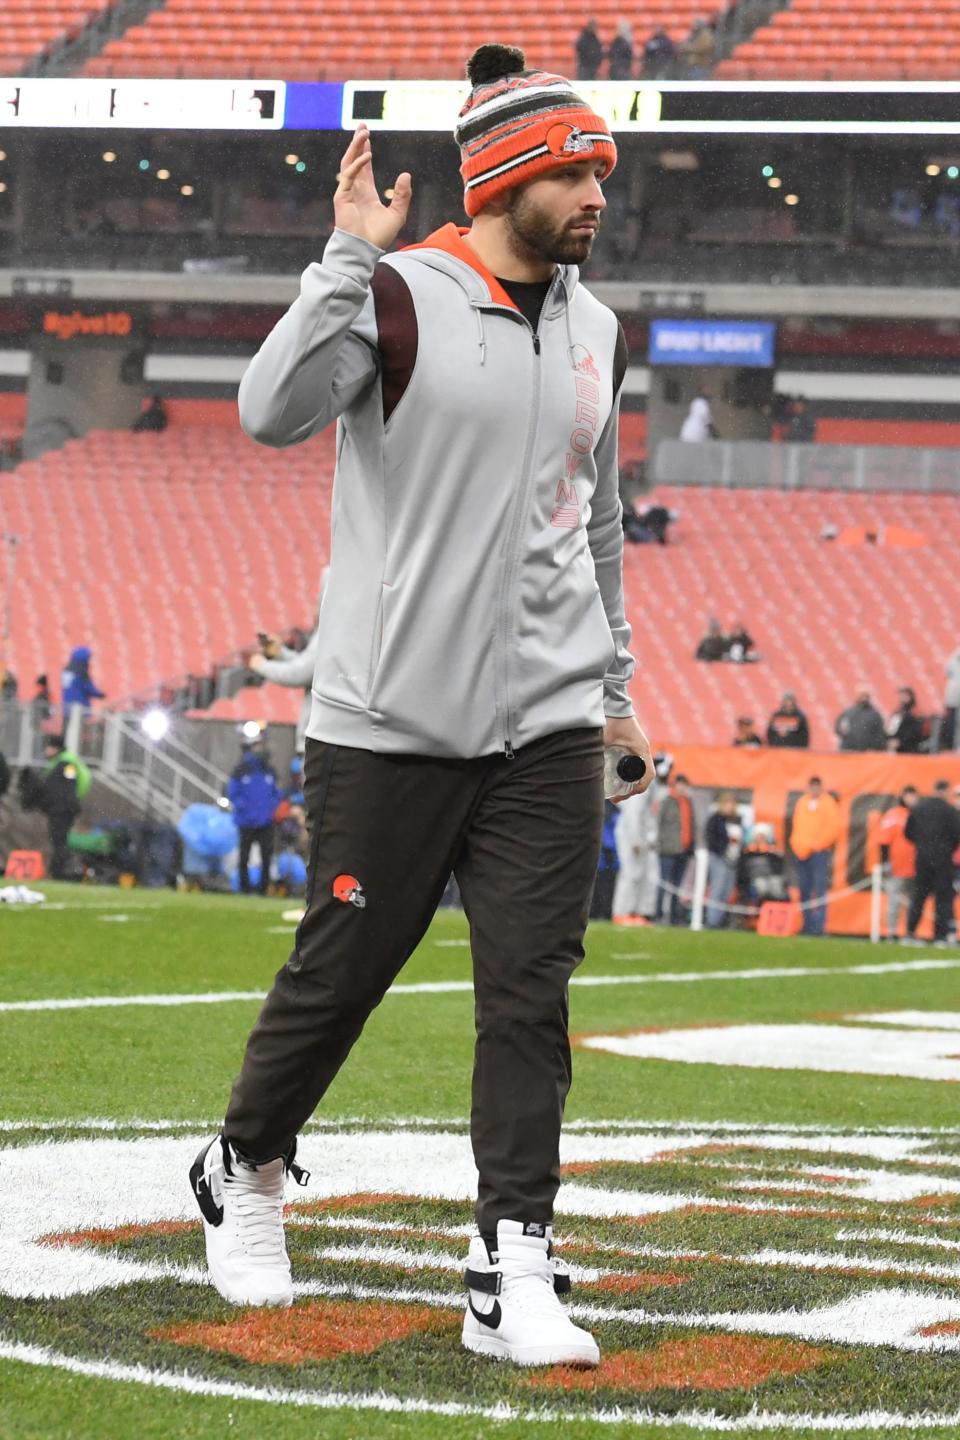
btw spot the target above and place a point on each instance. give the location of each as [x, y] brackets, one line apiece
[522, 837]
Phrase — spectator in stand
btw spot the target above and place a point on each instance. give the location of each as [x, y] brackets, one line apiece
[861, 727]
[934, 827]
[659, 54]
[740, 648]
[898, 857]
[813, 836]
[76, 682]
[154, 418]
[746, 735]
[713, 646]
[589, 52]
[787, 727]
[9, 688]
[676, 838]
[254, 794]
[801, 426]
[699, 49]
[699, 426]
[724, 842]
[42, 702]
[951, 703]
[905, 728]
[620, 54]
[647, 524]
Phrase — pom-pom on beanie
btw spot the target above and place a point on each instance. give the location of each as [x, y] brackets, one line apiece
[517, 124]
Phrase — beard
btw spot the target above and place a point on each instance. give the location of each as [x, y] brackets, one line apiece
[533, 234]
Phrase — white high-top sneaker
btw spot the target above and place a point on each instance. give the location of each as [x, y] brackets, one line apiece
[512, 1308]
[242, 1208]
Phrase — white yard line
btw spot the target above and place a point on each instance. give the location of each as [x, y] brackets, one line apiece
[706, 1420]
[452, 987]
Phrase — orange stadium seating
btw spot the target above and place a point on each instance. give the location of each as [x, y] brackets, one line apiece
[824, 617]
[852, 40]
[28, 28]
[415, 39]
[170, 551]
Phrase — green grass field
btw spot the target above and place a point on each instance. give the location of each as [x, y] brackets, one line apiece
[761, 1198]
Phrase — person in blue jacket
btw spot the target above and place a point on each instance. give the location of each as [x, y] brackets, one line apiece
[254, 794]
[76, 681]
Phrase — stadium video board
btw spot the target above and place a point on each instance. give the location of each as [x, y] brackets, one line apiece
[642, 107]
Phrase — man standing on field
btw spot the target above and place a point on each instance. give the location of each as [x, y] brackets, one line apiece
[472, 664]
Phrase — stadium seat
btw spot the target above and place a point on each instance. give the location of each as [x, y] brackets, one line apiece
[851, 39]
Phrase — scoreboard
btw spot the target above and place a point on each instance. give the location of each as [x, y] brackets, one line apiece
[707, 107]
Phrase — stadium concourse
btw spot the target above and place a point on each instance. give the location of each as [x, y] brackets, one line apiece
[184, 545]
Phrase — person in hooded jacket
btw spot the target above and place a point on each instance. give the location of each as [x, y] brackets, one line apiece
[861, 727]
[472, 667]
[76, 682]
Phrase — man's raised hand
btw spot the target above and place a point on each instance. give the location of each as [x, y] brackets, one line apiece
[357, 207]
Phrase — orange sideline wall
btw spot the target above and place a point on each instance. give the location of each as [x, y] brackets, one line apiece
[865, 785]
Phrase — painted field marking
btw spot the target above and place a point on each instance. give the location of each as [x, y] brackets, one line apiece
[844, 1049]
[786, 972]
[706, 1420]
[915, 1019]
[454, 987]
[113, 919]
[54, 1189]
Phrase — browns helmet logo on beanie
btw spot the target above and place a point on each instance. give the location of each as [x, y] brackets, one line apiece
[517, 124]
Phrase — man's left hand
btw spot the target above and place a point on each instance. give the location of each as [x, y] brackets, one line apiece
[625, 733]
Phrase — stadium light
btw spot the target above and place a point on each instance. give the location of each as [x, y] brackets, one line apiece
[767, 171]
[300, 167]
[144, 165]
[3, 154]
[791, 199]
[952, 172]
[186, 189]
[109, 156]
[3, 187]
[933, 170]
[155, 724]
[291, 159]
[163, 174]
[774, 182]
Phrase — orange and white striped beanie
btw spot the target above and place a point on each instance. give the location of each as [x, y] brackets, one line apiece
[517, 124]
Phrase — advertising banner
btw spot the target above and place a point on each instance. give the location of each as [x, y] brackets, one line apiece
[713, 342]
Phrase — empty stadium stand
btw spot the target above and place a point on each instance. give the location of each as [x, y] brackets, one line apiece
[383, 39]
[31, 28]
[851, 40]
[164, 552]
[167, 552]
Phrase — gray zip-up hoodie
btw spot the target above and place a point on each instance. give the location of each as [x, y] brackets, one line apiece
[475, 597]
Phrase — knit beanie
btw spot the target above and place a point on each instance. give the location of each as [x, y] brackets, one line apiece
[517, 124]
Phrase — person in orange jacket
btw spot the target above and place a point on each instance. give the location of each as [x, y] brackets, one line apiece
[814, 833]
[899, 857]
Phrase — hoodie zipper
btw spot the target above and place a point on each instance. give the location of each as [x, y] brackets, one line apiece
[520, 510]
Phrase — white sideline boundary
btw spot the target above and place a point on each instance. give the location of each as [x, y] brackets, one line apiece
[340, 1400]
[455, 987]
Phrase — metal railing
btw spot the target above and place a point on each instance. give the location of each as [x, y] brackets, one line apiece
[160, 778]
[762, 464]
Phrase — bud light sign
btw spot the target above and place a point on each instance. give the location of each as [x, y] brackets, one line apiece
[712, 342]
